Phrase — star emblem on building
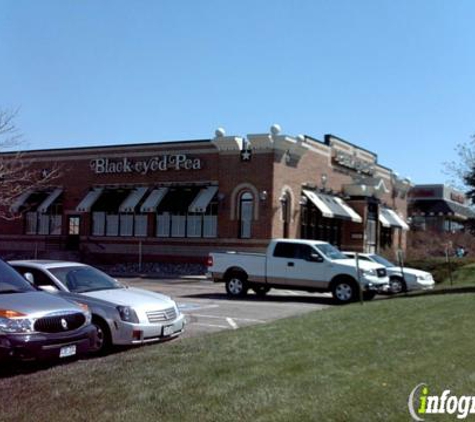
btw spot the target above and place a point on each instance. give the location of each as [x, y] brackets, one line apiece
[246, 154]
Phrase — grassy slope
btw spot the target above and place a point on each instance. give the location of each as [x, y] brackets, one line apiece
[353, 363]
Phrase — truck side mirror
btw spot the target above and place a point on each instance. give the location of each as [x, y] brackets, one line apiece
[315, 257]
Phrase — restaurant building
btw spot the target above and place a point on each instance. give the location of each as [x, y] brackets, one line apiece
[177, 201]
[439, 208]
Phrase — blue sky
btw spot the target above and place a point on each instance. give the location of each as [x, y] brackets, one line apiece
[395, 77]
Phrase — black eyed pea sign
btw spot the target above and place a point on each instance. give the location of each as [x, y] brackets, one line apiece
[159, 163]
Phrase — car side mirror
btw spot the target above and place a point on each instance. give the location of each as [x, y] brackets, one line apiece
[315, 257]
[49, 289]
[29, 277]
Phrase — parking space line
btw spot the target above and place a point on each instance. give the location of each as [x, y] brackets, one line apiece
[234, 318]
[210, 325]
[232, 323]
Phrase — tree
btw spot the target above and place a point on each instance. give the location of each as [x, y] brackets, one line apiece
[17, 174]
[462, 171]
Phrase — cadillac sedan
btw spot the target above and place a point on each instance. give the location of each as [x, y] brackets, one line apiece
[122, 315]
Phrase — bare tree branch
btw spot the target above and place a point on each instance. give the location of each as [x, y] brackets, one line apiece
[17, 173]
[459, 170]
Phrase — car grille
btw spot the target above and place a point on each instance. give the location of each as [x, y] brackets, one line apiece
[381, 272]
[160, 316]
[60, 323]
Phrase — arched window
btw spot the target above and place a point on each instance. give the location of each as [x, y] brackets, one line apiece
[246, 213]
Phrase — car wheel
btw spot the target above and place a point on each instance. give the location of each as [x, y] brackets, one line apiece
[344, 291]
[369, 295]
[103, 337]
[261, 291]
[397, 285]
[236, 285]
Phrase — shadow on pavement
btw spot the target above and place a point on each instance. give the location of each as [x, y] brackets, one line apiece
[268, 298]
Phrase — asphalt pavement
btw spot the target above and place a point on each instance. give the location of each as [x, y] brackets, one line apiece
[208, 308]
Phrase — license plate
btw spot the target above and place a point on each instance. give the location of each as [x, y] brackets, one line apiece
[168, 330]
[66, 351]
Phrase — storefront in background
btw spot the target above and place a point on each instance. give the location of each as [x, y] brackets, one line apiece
[438, 208]
[177, 201]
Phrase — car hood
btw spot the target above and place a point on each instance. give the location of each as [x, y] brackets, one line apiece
[36, 303]
[132, 296]
[410, 271]
[364, 265]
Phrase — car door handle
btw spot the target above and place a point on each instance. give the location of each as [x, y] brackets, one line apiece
[290, 264]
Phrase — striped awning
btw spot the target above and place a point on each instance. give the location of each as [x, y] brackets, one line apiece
[133, 199]
[88, 201]
[332, 206]
[389, 218]
[153, 200]
[20, 201]
[202, 200]
[43, 207]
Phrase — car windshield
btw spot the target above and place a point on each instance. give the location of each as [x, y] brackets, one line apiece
[82, 279]
[12, 282]
[330, 251]
[382, 261]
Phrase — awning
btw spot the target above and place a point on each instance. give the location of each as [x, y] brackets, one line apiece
[153, 200]
[133, 199]
[441, 207]
[20, 201]
[332, 207]
[49, 200]
[202, 200]
[389, 218]
[88, 201]
[354, 215]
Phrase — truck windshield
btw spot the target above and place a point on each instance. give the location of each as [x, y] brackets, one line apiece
[330, 251]
[12, 282]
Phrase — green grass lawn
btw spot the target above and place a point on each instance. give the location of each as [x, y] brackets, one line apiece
[351, 363]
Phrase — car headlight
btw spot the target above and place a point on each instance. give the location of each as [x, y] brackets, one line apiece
[127, 314]
[12, 322]
[368, 273]
[86, 311]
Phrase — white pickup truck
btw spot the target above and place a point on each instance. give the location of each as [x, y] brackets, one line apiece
[297, 264]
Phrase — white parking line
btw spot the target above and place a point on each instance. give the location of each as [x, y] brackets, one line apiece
[210, 325]
[223, 317]
[232, 323]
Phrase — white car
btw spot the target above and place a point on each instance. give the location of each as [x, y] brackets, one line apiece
[400, 279]
[122, 315]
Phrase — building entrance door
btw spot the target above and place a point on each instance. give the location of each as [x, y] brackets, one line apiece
[72, 243]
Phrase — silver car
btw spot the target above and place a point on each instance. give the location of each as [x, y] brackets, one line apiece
[400, 280]
[122, 315]
[35, 325]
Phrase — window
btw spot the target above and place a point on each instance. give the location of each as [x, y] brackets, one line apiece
[246, 211]
[73, 226]
[44, 224]
[174, 218]
[284, 250]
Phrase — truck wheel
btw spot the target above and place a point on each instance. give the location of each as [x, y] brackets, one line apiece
[344, 291]
[236, 285]
[261, 291]
[397, 285]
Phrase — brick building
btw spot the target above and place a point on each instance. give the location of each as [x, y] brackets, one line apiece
[439, 208]
[181, 200]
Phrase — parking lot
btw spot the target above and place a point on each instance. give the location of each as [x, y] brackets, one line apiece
[208, 309]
